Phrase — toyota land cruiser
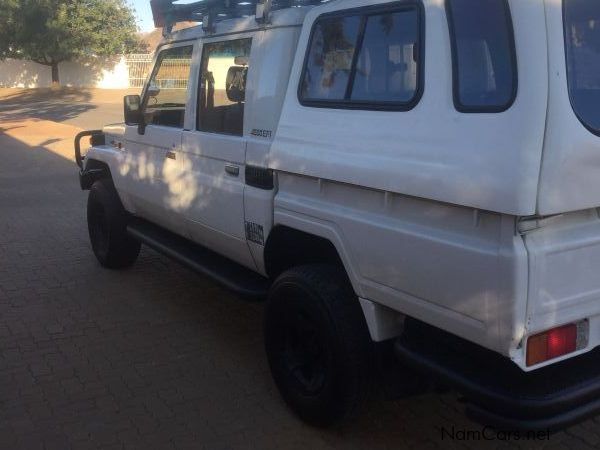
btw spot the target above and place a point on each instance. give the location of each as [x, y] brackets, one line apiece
[417, 172]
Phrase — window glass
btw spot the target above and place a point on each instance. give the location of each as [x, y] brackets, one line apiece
[364, 60]
[387, 65]
[483, 54]
[222, 91]
[330, 58]
[582, 36]
[167, 89]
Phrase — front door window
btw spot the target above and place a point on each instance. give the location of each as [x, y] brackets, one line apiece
[167, 91]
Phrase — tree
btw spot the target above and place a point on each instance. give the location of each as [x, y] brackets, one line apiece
[53, 31]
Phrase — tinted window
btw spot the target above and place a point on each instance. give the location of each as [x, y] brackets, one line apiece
[167, 89]
[387, 65]
[222, 92]
[330, 58]
[368, 59]
[483, 51]
[582, 36]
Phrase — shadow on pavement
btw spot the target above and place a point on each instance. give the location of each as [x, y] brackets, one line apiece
[57, 105]
[84, 108]
[151, 357]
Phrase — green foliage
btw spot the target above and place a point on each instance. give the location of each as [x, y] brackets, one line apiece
[53, 31]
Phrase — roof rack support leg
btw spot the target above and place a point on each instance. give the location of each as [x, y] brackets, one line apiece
[263, 11]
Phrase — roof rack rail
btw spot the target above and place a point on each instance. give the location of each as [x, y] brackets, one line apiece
[167, 13]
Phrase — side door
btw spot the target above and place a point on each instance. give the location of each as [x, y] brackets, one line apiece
[155, 150]
[214, 153]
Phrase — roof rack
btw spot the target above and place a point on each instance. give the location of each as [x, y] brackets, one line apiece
[167, 13]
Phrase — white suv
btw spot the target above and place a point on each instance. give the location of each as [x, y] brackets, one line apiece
[418, 172]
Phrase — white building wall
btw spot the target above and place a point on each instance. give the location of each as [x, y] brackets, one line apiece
[106, 74]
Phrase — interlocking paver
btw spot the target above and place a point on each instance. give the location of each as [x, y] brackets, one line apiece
[155, 356]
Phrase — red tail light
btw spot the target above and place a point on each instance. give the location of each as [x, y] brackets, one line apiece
[551, 344]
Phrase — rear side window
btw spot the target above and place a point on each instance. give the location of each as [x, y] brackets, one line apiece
[483, 55]
[330, 57]
[582, 42]
[222, 93]
[365, 59]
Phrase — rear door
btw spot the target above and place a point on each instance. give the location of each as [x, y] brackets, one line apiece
[214, 153]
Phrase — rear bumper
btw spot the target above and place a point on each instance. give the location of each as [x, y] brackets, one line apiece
[497, 392]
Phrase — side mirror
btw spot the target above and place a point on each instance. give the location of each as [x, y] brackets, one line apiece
[153, 90]
[241, 60]
[235, 84]
[132, 109]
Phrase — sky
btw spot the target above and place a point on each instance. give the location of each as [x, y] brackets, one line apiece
[144, 13]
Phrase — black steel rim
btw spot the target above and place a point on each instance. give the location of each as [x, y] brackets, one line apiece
[100, 228]
[304, 352]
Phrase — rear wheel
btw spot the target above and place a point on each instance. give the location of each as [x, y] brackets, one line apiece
[318, 344]
[107, 226]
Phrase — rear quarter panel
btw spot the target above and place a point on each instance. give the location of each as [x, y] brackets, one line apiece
[406, 197]
[459, 269]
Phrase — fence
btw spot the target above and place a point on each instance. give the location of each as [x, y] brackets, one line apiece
[138, 67]
[173, 73]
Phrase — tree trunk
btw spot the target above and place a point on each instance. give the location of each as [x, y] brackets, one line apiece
[55, 77]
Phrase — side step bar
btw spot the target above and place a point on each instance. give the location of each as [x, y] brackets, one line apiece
[229, 274]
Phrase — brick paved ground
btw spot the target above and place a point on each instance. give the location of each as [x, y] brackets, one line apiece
[153, 357]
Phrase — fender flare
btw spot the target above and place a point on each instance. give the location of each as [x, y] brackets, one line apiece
[94, 170]
[324, 230]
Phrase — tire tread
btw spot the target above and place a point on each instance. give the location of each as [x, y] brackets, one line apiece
[331, 285]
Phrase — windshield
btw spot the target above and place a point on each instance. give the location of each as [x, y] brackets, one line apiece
[582, 42]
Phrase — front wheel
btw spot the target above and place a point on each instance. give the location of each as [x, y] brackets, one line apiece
[318, 344]
[107, 226]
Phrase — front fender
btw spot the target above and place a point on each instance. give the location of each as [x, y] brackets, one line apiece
[96, 165]
[106, 161]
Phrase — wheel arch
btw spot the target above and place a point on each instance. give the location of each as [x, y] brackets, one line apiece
[292, 245]
[94, 170]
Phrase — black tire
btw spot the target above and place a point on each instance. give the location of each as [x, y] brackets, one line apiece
[107, 226]
[318, 344]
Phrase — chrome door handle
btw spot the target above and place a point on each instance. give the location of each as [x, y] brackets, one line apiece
[232, 169]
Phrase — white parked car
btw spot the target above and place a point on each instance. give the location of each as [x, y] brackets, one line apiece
[418, 172]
